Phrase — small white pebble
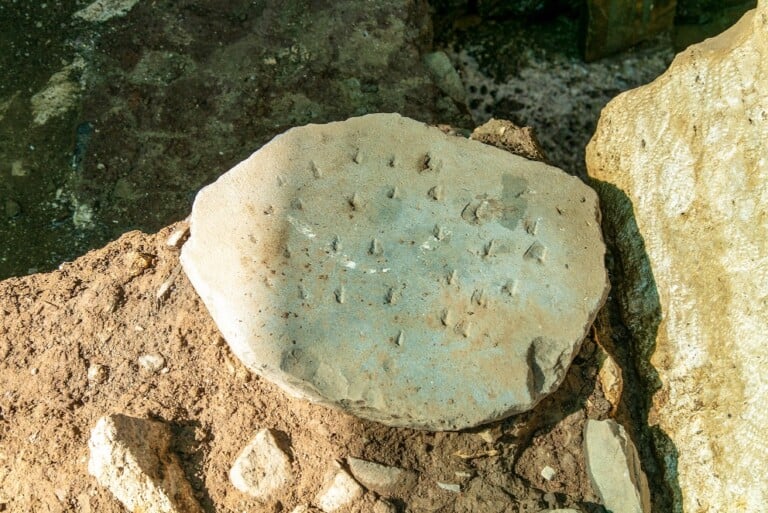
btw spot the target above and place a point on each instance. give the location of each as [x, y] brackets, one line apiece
[97, 373]
[548, 473]
[34, 371]
[164, 290]
[151, 363]
[178, 237]
[449, 487]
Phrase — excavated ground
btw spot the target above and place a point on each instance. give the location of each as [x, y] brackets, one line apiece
[70, 343]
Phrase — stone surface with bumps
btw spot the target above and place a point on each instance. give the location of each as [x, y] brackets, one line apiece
[401, 274]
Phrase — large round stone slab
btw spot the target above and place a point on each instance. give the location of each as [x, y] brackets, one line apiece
[401, 274]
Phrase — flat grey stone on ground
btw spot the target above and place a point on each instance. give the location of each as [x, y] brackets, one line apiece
[380, 478]
[131, 458]
[401, 274]
[614, 467]
[262, 467]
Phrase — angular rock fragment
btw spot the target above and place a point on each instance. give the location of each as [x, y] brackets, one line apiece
[382, 479]
[403, 275]
[262, 467]
[682, 166]
[508, 136]
[449, 487]
[131, 458]
[341, 490]
[445, 75]
[614, 467]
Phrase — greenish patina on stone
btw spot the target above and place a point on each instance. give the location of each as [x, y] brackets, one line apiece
[401, 274]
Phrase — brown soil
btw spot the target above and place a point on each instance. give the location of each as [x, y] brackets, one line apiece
[131, 298]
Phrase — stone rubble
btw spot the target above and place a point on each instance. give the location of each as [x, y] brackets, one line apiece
[381, 506]
[262, 468]
[614, 467]
[445, 76]
[151, 363]
[548, 473]
[100, 11]
[449, 487]
[97, 373]
[131, 458]
[507, 136]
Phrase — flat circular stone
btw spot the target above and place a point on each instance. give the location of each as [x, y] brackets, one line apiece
[398, 273]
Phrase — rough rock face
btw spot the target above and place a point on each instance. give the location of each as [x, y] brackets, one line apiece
[399, 273]
[614, 467]
[131, 457]
[682, 168]
[262, 467]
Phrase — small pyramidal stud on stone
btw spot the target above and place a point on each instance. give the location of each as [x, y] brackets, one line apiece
[427, 286]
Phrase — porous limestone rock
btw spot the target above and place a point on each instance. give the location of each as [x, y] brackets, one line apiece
[614, 467]
[131, 458]
[401, 274]
[262, 467]
[682, 168]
